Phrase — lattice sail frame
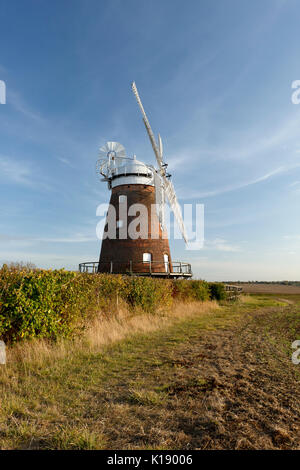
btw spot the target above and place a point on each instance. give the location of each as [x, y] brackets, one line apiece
[168, 187]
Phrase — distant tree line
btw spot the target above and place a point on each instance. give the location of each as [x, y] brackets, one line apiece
[283, 283]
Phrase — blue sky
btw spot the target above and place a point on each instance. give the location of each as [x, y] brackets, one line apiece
[215, 78]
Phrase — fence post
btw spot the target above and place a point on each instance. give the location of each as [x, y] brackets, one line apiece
[111, 267]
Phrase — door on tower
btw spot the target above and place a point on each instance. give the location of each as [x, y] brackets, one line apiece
[166, 261]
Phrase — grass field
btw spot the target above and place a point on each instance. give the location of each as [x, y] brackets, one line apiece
[256, 288]
[205, 377]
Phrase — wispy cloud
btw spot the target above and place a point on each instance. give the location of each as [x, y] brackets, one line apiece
[17, 101]
[295, 183]
[220, 244]
[16, 171]
[66, 162]
[295, 187]
[76, 238]
[291, 237]
[234, 187]
[285, 132]
[71, 239]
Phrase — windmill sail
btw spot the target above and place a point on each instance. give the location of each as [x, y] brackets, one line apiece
[160, 147]
[148, 127]
[163, 186]
[160, 199]
[170, 193]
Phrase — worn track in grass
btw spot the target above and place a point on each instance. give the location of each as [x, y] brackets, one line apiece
[220, 380]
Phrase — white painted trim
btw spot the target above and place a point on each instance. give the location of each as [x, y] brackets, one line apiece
[132, 180]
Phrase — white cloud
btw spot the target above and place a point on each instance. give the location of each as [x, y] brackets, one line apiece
[220, 244]
[66, 162]
[30, 241]
[225, 189]
[74, 239]
[17, 171]
[13, 170]
[291, 237]
[295, 183]
[16, 100]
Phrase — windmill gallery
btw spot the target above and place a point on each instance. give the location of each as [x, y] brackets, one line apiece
[134, 244]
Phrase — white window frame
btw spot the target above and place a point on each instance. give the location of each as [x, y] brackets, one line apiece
[147, 257]
[166, 261]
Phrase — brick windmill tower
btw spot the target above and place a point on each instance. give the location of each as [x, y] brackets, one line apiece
[135, 239]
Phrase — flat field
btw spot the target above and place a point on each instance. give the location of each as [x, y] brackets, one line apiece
[203, 376]
[270, 289]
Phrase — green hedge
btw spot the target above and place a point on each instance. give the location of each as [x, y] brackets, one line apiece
[51, 304]
[191, 290]
[217, 290]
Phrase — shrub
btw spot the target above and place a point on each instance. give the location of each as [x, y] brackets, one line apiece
[182, 289]
[191, 290]
[217, 291]
[38, 304]
[148, 293]
[51, 304]
[200, 290]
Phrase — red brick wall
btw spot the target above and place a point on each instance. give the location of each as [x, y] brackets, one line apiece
[123, 251]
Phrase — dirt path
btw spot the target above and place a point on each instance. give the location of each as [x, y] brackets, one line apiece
[219, 380]
[219, 390]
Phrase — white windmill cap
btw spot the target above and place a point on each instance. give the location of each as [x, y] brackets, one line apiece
[132, 171]
[133, 166]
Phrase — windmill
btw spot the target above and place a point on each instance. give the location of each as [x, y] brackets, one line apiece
[163, 185]
[134, 184]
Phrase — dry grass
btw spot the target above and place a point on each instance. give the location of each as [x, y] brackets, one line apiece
[200, 377]
[104, 331]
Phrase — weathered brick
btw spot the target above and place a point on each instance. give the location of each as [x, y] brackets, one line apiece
[121, 252]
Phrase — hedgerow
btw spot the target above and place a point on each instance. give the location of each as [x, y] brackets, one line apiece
[191, 290]
[217, 290]
[53, 304]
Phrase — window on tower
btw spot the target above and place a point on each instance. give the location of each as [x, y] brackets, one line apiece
[119, 223]
[166, 261]
[147, 257]
[122, 198]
